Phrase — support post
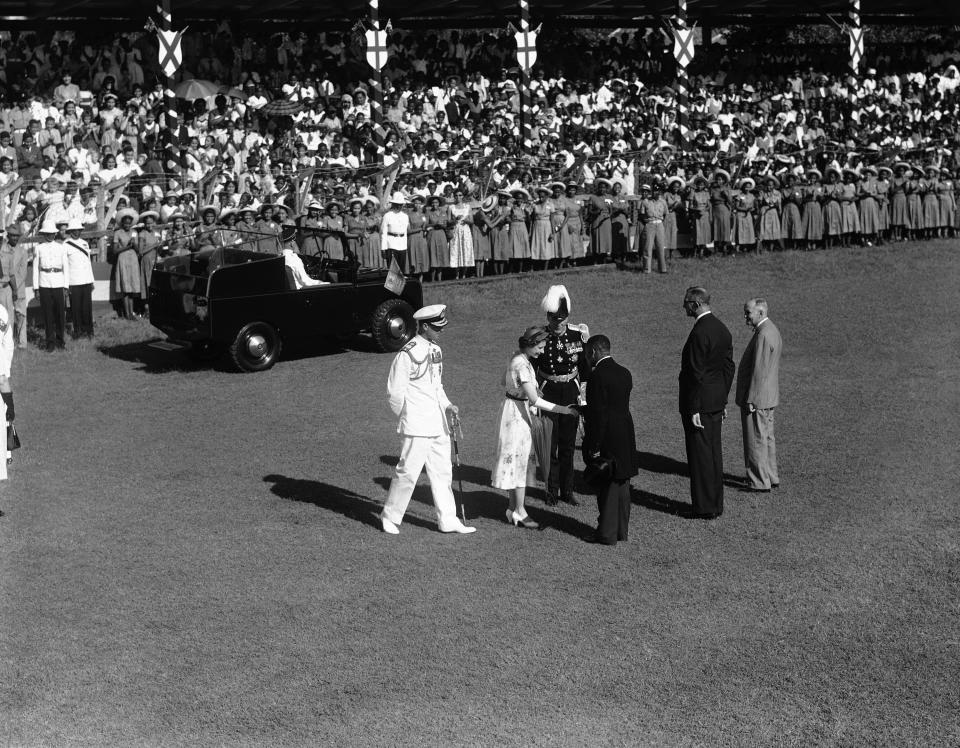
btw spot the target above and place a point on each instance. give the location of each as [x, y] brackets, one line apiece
[173, 155]
[682, 36]
[526, 123]
[377, 58]
[855, 31]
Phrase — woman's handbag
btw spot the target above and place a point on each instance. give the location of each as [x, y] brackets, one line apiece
[13, 438]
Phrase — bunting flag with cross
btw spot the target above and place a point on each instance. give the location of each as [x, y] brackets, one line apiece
[170, 53]
[376, 48]
[856, 47]
[683, 47]
[526, 49]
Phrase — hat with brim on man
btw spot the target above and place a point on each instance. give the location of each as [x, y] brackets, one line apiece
[434, 315]
[75, 224]
[398, 198]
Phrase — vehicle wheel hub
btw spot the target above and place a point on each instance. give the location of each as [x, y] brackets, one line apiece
[396, 327]
[256, 346]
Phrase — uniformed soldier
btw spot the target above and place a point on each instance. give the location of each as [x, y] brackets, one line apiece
[51, 278]
[81, 280]
[417, 397]
[560, 369]
[653, 211]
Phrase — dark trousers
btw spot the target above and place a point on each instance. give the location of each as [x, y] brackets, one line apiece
[705, 460]
[81, 309]
[399, 254]
[563, 441]
[54, 308]
[613, 503]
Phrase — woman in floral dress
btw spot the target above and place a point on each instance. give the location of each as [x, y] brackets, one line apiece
[522, 403]
[461, 240]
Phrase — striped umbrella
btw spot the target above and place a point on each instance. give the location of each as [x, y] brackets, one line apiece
[281, 107]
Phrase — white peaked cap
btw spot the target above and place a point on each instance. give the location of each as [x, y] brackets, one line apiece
[552, 301]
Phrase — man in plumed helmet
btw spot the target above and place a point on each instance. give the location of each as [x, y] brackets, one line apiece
[560, 368]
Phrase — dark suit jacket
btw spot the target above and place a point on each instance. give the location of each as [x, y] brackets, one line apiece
[706, 367]
[607, 423]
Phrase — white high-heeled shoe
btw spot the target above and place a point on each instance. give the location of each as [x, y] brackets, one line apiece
[518, 520]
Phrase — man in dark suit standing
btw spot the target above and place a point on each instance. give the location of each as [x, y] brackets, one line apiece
[706, 374]
[608, 434]
[758, 395]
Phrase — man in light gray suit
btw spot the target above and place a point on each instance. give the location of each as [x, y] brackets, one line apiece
[758, 394]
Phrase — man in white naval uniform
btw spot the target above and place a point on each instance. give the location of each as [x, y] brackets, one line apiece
[417, 397]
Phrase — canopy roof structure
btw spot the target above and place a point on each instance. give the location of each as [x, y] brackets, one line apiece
[407, 14]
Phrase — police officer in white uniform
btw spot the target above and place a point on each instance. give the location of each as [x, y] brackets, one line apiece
[417, 397]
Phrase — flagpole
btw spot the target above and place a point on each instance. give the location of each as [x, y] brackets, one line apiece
[172, 146]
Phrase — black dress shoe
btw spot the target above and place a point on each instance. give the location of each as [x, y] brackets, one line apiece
[774, 485]
[751, 489]
[570, 500]
[707, 515]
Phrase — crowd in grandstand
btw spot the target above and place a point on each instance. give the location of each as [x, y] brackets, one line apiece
[782, 151]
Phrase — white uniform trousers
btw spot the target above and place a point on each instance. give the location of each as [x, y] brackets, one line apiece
[415, 453]
[759, 447]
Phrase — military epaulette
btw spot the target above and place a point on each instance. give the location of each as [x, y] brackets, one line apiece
[409, 348]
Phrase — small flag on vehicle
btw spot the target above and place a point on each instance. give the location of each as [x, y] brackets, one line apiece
[395, 281]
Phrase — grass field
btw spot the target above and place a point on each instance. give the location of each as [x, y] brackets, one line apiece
[189, 556]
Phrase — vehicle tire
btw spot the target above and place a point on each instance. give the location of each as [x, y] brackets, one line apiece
[205, 351]
[256, 347]
[393, 325]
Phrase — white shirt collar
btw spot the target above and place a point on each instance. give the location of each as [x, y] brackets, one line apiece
[702, 314]
[761, 322]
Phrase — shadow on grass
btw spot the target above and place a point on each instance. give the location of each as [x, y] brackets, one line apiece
[658, 503]
[352, 505]
[490, 503]
[654, 463]
[157, 361]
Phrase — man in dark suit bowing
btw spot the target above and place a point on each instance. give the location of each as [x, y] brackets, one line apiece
[608, 434]
[706, 374]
